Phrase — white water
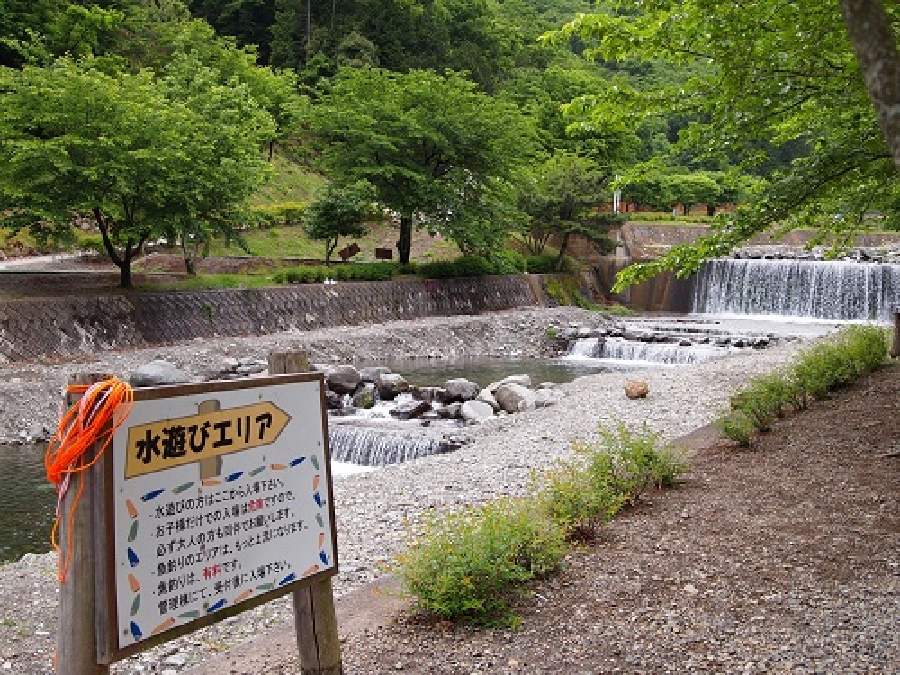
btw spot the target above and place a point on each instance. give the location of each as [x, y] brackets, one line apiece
[373, 447]
[620, 350]
[829, 290]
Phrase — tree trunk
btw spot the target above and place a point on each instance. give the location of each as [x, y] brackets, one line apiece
[404, 244]
[685, 209]
[564, 244]
[876, 50]
[271, 149]
[125, 268]
[710, 209]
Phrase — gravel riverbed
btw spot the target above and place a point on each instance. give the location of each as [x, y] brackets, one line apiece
[375, 509]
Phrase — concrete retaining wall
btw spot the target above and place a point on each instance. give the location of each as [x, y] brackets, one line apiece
[65, 326]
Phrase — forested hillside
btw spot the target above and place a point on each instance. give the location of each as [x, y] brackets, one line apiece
[480, 120]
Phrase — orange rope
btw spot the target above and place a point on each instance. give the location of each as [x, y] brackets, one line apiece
[91, 421]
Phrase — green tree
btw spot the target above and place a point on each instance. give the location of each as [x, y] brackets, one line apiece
[341, 211]
[560, 197]
[434, 148]
[144, 156]
[766, 75]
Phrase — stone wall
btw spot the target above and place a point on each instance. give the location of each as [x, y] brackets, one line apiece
[64, 326]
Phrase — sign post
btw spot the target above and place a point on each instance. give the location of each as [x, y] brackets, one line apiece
[212, 499]
[314, 616]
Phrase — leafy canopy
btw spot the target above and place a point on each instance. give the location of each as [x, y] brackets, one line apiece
[763, 75]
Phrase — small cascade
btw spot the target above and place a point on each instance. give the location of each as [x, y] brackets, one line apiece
[373, 447]
[585, 348]
[627, 350]
[632, 350]
[831, 290]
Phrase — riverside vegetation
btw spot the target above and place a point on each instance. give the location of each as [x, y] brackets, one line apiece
[469, 564]
[824, 367]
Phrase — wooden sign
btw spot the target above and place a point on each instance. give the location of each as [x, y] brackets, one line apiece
[217, 498]
[384, 254]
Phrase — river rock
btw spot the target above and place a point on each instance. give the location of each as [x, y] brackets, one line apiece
[450, 412]
[486, 396]
[476, 411]
[365, 396]
[545, 397]
[460, 389]
[156, 373]
[333, 401]
[636, 389]
[343, 379]
[521, 380]
[514, 397]
[410, 410]
[372, 373]
[390, 385]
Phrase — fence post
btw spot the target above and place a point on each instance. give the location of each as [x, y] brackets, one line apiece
[315, 620]
[76, 645]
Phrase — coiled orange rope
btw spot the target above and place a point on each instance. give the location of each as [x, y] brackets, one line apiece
[92, 421]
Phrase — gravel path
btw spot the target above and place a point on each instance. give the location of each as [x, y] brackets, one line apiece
[373, 509]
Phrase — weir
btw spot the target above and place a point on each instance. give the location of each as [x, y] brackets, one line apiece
[830, 290]
[374, 447]
[628, 350]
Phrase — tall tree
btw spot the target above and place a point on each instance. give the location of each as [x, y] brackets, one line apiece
[433, 146]
[765, 74]
[143, 156]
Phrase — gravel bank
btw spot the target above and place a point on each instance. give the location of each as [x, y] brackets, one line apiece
[29, 393]
[373, 508]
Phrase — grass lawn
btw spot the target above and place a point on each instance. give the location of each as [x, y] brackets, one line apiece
[203, 282]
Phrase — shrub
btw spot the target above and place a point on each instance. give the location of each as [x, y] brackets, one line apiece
[311, 274]
[465, 266]
[466, 564]
[546, 264]
[584, 494]
[764, 399]
[508, 262]
[279, 215]
[738, 427]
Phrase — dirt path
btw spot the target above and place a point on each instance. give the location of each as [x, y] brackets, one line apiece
[783, 558]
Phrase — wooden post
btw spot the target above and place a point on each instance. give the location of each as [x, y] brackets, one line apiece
[76, 646]
[315, 620]
[895, 350]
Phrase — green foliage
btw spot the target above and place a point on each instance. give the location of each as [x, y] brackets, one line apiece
[764, 76]
[565, 290]
[311, 274]
[341, 211]
[284, 214]
[737, 426]
[435, 149]
[464, 266]
[829, 364]
[465, 565]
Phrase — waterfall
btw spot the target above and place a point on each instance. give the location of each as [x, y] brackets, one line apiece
[631, 350]
[373, 447]
[585, 348]
[835, 290]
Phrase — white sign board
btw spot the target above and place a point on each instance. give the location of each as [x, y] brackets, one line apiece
[218, 498]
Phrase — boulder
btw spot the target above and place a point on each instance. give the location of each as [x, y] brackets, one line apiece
[459, 389]
[636, 389]
[476, 411]
[390, 385]
[521, 380]
[365, 396]
[156, 373]
[450, 412]
[545, 397]
[548, 385]
[487, 397]
[410, 410]
[333, 401]
[343, 379]
[372, 373]
[514, 397]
